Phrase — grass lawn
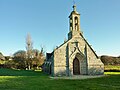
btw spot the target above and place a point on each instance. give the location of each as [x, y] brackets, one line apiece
[112, 67]
[112, 73]
[36, 80]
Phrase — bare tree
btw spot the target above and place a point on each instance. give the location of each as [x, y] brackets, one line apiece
[29, 54]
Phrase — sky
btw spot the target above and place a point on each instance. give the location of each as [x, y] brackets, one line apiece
[48, 24]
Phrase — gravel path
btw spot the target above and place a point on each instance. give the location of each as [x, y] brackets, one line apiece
[79, 77]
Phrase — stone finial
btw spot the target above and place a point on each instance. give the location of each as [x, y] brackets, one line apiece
[74, 8]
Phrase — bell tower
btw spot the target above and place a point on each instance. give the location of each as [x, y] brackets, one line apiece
[74, 21]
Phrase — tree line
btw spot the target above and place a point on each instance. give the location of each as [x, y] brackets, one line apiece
[29, 59]
[110, 60]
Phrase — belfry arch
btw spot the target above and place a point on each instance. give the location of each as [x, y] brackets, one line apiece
[76, 24]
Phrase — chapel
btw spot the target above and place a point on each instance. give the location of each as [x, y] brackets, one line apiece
[75, 56]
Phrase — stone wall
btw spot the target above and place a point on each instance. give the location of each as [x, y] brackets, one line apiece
[80, 50]
[65, 54]
[60, 60]
[95, 65]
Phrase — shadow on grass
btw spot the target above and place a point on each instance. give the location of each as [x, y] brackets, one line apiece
[110, 82]
[12, 72]
[36, 80]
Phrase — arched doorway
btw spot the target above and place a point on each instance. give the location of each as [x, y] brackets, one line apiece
[76, 67]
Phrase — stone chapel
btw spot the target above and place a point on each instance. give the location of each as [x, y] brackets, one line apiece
[75, 56]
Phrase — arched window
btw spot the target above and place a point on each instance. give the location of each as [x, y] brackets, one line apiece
[76, 23]
[71, 24]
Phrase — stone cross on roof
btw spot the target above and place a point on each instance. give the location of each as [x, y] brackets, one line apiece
[74, 6]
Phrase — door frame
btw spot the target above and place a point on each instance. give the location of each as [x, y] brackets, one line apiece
[78, 66]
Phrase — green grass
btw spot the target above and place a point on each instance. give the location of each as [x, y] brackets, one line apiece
[112, 67]
[36, 80]
[112, 73]
[10, 72]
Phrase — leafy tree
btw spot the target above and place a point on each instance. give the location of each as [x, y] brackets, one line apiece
[10, 64]
[1, 56]
[110, 60]
[39, 58]
[20, 59]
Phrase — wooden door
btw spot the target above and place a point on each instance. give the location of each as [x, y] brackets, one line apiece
[76, 67]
